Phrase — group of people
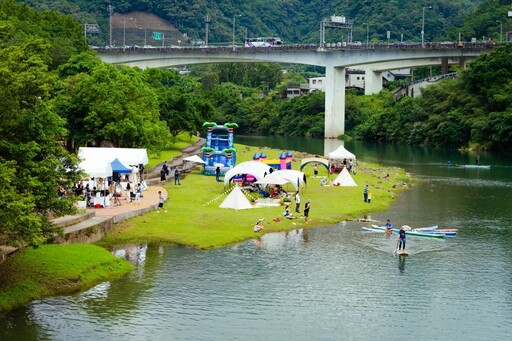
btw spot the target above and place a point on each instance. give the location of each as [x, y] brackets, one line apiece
[348, 164]
[287, 214]
[166, 170]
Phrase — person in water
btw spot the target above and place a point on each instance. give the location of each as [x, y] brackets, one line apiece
[401, 239]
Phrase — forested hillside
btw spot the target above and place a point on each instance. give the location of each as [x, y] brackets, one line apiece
[294, 21]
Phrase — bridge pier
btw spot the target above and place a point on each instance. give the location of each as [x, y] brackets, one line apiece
[334, 102]
[444, 66]
[372, 82]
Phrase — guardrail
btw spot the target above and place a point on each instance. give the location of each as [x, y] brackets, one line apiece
[292, 47]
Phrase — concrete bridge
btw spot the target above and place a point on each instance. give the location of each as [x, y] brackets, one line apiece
[374, 59]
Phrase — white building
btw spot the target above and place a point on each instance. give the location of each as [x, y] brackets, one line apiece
[353, 79]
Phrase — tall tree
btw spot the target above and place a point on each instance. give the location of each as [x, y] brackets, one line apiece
[32, 160]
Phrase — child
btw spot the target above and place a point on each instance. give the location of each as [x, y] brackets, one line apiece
[160, 202]
[258, 227]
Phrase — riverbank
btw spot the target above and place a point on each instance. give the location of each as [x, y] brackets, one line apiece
[194, 218]
[56, 270]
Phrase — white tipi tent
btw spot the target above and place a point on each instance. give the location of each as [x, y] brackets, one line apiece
[236, 200]
[344, 179]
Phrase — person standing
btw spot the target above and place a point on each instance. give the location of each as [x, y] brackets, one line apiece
[297, 202]
[177, 176]
[315, 171]
[160, 202]
[217, 173]
[165, 168]
[477, 159]
[163, 174]
[138, 193]
[401, 239]
[306, 210]
[365, 193]
[389, 226]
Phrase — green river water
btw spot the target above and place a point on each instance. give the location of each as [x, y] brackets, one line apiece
[332, 283]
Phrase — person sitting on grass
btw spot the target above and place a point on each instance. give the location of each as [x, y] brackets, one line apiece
[287, 213]
[258, 227]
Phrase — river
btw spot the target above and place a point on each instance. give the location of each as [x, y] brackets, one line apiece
[332, 283]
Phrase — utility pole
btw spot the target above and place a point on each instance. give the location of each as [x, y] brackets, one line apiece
[207, 22]
[110, 10]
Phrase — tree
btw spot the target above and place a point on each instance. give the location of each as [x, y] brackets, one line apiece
[32, 160]
[104, 103]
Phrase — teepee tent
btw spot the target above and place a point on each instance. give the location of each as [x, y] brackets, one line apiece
[344, 179]
[236, 200]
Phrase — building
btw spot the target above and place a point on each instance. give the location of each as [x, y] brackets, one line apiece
[353, 79]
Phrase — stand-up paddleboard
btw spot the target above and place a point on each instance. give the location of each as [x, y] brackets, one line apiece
[403, 253]
[372, 230]
[478, 166]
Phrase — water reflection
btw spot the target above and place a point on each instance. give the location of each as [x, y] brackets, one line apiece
[401, 264]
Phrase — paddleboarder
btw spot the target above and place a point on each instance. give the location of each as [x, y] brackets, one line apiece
[401, 239]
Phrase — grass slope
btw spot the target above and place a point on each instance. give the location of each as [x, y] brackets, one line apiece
[195, 219]
[54, 270]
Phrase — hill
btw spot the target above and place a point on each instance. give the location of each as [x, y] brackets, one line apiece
[294, 21]
[140, 28]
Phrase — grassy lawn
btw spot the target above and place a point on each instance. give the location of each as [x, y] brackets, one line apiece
[182, 141]
[195, 219]
[54, 270]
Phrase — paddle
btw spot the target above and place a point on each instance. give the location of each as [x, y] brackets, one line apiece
[396, 248]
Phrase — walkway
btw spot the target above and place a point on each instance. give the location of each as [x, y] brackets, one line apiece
[92, 224]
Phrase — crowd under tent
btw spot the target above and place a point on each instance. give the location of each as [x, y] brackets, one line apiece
[99, 162]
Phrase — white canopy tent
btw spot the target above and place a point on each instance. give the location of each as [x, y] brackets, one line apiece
[295, 177]
[340, 154]
[272, 179]
[254, 168]
[194, 158]
[127, 156]
[96, 162]
[96, 167]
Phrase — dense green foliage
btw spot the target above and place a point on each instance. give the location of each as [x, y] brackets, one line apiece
[474, 109]
[32, 161]
[294, 21]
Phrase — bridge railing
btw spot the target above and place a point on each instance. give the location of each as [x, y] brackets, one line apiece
[295, 47]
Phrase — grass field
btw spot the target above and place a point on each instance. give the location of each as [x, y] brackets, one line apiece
[55, 270]
[195, 219]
